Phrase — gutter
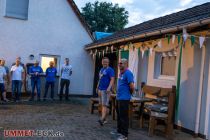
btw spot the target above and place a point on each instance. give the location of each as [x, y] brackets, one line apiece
[156, 32]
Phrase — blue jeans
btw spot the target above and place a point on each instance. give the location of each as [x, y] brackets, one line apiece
[16, 89]
[52, 85]
[36, 83]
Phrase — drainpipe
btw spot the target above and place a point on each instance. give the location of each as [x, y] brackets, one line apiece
[197, 120]
[206, 126]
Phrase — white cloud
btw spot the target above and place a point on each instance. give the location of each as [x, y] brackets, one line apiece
[185, 2]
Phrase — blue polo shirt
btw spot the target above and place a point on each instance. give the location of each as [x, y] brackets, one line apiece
[123, 88]
[105, 76]
[51, 74]
[33, 70]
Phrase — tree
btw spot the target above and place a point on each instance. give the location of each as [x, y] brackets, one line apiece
[104, 16]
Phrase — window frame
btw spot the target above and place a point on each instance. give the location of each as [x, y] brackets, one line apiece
[55, 56]
[161, 76]
[20, 17]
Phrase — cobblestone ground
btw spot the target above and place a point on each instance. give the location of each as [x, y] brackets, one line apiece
[72, 118]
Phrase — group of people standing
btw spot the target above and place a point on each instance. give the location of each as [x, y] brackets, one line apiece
[125, 88]
[17, 76]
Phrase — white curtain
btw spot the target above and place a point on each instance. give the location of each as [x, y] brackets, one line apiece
[133, 63]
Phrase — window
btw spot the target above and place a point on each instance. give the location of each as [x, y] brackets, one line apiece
[17, 9]
[45, 60]
[165, 66]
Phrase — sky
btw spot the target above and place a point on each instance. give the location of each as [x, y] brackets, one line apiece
[143, 10]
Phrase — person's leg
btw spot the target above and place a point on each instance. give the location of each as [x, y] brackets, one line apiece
[123, 112]
[105, 104]
[100, 101]
[67, 83]
[118, 117]
[33, 88]
[52, 90]
[38, 88]
[4, 94]
[61, 88]
[13, 89]
[46, 90]
[19, 85]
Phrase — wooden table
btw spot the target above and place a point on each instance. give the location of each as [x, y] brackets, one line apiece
[132, 102]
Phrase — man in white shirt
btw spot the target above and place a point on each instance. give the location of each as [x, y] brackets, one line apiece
[2, 77]
[17, 74]
[66, 72]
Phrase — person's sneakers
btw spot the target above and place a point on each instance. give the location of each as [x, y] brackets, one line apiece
[101, 122]
[115, 133]
[122, 137]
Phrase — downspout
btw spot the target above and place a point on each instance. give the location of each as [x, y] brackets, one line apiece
[197, 120]
[206, 126]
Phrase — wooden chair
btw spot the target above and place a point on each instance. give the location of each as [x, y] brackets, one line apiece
[148, 92]
[168, 117]
[94, 104]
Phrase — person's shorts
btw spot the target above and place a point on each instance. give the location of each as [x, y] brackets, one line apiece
[2, 89]
[104, 98]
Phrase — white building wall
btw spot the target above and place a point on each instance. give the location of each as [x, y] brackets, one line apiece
[52, 28]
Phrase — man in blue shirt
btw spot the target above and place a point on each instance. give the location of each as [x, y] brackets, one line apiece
[105, 84]
[125, 89]
[50, 80]
[35, 72]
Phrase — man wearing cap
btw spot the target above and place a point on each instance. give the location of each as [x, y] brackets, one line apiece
[35, 72]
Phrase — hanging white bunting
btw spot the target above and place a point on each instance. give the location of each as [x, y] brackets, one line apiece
[93, 56]
[107, 49]
[150, 51]
[91, 52]
[103, 53]
[131, 46]
[112, 48]
[126, 47]
[142, 53]
[170, 54]
[96, 51]
[173, 39]
[99, 54]
[201, 40]
[164, 54]
[185, 37]
[160, 43]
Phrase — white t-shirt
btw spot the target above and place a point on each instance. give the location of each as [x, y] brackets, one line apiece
[2, 74]
[17, 72]
[66, 71]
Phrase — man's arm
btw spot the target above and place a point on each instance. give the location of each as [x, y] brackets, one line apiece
[132, 87]
[111, 84]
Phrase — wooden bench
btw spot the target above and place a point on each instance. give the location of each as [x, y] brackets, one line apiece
[160, 95]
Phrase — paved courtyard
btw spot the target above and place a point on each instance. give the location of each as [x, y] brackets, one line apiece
[72, 118]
